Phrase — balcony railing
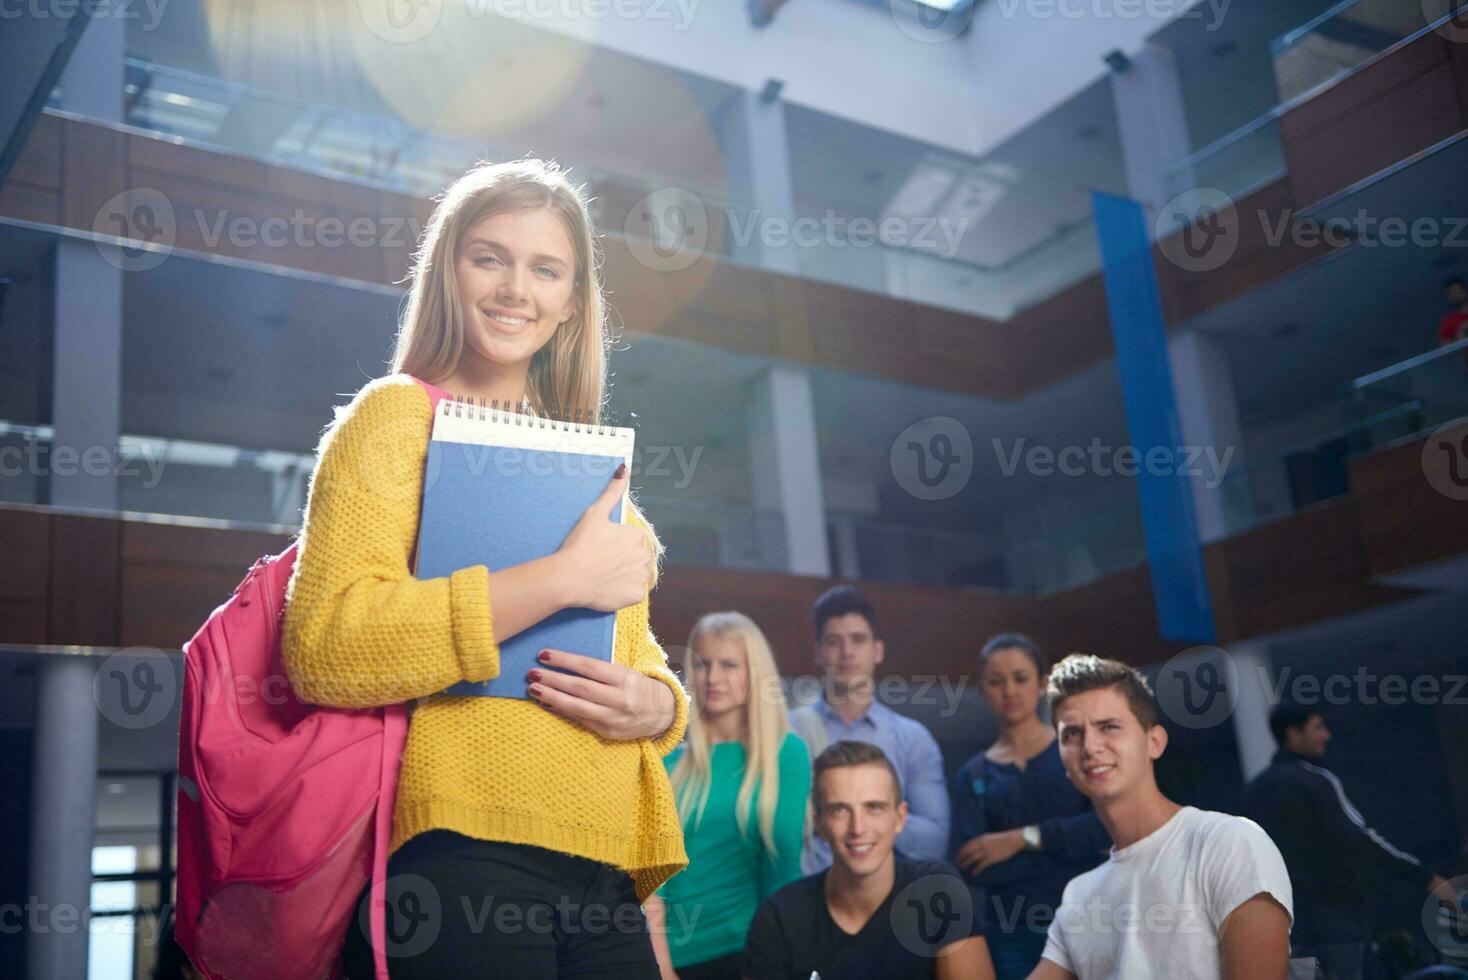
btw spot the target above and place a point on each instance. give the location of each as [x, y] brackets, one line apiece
[1042, 243]
[1307, 59]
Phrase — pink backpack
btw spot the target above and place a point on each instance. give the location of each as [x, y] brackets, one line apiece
[284, 807]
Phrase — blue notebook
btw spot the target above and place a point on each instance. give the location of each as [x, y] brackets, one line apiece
[501, 489]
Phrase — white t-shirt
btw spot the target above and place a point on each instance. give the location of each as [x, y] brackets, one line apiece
[1154, 909]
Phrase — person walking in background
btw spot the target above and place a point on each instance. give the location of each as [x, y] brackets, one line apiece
[848, 648]
[1020, 829]
[741, 779]
[1332, 855]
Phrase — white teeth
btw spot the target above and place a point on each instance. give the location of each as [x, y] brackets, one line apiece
[509, 321]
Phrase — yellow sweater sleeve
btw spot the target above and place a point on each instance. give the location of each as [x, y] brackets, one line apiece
[359, 629]
[650, 659]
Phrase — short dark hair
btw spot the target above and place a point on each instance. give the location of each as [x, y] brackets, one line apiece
[1082, 672]
[1453, 281]
[1014, 641]
[846, 753]
[839, 601]
[1287, 715]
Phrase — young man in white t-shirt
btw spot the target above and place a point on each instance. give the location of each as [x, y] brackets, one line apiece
[1186, 894]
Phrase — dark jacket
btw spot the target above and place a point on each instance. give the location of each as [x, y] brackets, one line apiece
[1332, 855]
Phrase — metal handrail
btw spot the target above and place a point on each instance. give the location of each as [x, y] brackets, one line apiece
[1409, 364]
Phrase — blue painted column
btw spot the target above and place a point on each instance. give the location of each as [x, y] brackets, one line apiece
[1175, 557]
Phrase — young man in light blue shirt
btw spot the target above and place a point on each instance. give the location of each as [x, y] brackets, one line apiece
[848, 648]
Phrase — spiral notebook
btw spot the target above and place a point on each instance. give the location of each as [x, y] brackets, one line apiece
[501, 488]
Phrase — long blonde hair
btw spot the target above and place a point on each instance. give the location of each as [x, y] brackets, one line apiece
[766, 725]
[568, 375]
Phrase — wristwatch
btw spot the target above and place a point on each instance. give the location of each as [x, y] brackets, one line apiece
[1031, 836]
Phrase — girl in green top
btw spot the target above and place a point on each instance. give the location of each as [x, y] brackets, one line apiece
[742, 781]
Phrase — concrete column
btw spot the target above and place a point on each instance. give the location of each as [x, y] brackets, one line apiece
[87, 368]
[63, 814]
[1209, 417]
[785, 464]
[760, 185]
[847, 557]
[1152, 123]
[1251, 711]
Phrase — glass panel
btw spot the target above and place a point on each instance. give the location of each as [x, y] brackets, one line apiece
[1341, 40]
[1318, 52]
[1414, 395]
[1245, 159]
[987, 236]
[23, 453]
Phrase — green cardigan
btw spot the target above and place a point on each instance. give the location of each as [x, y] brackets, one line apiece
[711, 903]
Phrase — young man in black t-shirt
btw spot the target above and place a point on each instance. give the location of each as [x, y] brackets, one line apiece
[873, 913]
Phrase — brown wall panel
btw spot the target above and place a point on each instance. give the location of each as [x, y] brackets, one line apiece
[94, 162]
[82, 608]
[32, 189]
[1370, 120]
[25, 543]
[284, 217]
[1054, 339]
[1305, 568]
[1405, 519]
[926, 630]
[172, 577]
[1257, 259]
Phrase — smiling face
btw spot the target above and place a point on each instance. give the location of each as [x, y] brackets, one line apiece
[1108, 755]
[848, 650]
[859, 814]
[517, 285]
[1011, 684]
[720, 675]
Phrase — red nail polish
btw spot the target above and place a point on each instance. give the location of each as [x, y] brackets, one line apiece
[535, 677]
[544, 656]
[621, 471]
[536, 691]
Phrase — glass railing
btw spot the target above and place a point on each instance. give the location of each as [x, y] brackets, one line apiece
[1429, 389]
[176, 477]
[179, 478]
[1247, 158]
[1065, 554]
[1342, 39]
[1312, 470]
[1025, 233]
[1317, 53]
[716, 535]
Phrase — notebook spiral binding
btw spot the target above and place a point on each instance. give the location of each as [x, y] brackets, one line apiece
[506, 413]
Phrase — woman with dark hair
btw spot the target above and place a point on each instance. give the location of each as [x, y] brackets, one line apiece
[1020, 829]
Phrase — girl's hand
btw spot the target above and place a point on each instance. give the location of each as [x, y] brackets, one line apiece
[987, 850]
[604, 565]
[616, 702]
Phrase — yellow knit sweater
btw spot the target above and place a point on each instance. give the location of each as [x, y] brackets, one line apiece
[361, 631]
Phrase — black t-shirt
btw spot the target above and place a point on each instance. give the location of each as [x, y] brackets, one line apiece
[793, 935]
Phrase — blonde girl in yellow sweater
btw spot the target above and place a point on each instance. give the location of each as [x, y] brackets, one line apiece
[526, 833]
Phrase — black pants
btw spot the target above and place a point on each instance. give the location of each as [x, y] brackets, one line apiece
[461, 907]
